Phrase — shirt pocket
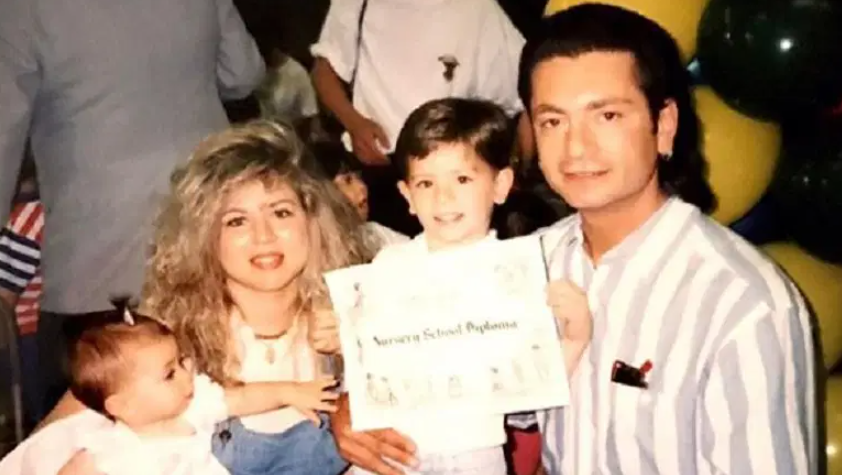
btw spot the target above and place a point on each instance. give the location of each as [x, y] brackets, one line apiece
[631, 406]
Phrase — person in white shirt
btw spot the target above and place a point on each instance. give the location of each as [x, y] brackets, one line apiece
[399, 54]
[453, 158]
[345, 170]
[240, 247]
[129, 368]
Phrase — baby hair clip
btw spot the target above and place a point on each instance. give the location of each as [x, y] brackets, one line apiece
[127, 316]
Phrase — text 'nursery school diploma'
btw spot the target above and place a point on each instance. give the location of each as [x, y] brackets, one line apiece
[467, 331]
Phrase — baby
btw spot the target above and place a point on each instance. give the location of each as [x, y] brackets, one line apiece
[130, 369]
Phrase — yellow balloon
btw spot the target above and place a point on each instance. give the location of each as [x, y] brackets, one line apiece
[679, 17]
[821, 283]
[742, 154]
[834, 425]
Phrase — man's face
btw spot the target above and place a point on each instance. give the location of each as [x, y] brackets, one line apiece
[597, 145]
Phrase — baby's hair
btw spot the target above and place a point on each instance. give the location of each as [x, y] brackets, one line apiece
[479, 124]
[334, 159]
[100, 358]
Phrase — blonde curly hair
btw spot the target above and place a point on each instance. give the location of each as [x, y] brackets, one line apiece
[185, 284]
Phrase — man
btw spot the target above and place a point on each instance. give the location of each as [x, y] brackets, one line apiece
[702, 357]
[113, 95]
[400, 54]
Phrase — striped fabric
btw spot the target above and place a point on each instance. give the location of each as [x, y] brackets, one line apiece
[20, 257]
[731, 388]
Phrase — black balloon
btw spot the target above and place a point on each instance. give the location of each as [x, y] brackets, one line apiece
[808, 189]
[773, 58]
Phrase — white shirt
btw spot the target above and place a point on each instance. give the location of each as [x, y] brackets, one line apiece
[443, 435]
[117, 450]
[731, 388]
[287, 93]
[293, 361]
[381, 236]
[406, 46]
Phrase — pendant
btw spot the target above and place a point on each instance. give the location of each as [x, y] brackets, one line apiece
[270, 354]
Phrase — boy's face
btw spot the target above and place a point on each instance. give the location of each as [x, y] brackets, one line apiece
[159, 387]
[453, 191]
[351, 185]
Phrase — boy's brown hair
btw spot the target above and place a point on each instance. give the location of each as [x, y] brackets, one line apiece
[100, 358]
[479, 124]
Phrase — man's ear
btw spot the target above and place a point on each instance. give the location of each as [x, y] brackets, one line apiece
[667, 127]
[503, 183]
[404, 189]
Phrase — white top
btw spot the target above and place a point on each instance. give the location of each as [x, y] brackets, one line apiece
[407, 46]
[287, 93]
[117, 450]
[382, 237]
[292, 361]
[435, 435]
[731, 386]
[46, 451]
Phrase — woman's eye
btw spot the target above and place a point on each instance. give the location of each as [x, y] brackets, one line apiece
[235, 222]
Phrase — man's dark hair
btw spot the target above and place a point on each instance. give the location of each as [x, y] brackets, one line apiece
[479, 124]
[660, 73]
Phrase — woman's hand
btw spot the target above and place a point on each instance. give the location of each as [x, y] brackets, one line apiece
[370, 450]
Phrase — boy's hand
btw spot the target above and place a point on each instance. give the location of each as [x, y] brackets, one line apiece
[324, 332]
[570, 307]
[311, 396]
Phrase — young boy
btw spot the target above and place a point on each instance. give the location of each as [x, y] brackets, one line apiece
[453, 157]
[345, 170]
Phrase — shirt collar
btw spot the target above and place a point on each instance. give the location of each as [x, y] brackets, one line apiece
[419, 242]
[640, 249]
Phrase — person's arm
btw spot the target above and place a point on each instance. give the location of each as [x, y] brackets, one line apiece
[20, 76]
[19, 251]
[753, 417]
[257, 398]
[80, 464]
[66, 407]
[335, 59]
[239, 66]
[369, 450]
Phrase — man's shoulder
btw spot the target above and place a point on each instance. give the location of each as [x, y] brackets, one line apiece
[764, 280]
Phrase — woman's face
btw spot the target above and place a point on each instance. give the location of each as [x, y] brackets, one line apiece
[264, 241]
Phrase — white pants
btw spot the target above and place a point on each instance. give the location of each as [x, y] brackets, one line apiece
[488, 461]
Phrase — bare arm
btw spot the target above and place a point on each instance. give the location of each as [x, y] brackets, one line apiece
[257, 398]
[369, 450]
[331, 92]
[66, 407]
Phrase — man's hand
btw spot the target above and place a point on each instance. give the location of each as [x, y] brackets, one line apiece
[369, 450]
[369, 140]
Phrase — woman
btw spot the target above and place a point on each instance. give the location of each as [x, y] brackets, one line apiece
[240, 248]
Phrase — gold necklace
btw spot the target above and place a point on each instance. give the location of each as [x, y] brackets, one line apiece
[268, 341]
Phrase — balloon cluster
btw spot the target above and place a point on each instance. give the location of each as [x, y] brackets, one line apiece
[768, 79]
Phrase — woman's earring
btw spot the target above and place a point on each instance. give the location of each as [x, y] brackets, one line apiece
[665, 156]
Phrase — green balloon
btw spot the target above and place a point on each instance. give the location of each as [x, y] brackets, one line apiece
[773, 58]
[808, 188]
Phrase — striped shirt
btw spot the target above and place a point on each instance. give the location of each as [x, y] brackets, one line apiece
[20, 259]
[731, 387]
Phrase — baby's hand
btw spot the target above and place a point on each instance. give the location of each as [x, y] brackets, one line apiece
[324, 332]
[311, 396]
[570, 307]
